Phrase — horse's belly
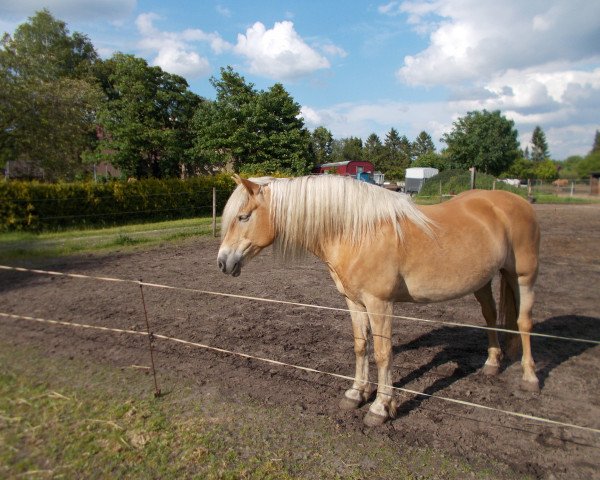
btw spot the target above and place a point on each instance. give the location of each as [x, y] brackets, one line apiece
[442, 286]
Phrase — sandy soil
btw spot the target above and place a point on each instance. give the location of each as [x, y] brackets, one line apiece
[438, 360]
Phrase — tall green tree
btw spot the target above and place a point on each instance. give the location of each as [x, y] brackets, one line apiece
[251, 131]
[282, 143]
[596, 145]
[482, 139]
[396, 155]
[322, 144]
[352, 149]
[373, 151]
[423, 144]
[43, 49]
[48, 97]
[539, 146]
[146, 120]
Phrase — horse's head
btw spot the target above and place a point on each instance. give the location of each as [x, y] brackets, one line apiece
[247, 226]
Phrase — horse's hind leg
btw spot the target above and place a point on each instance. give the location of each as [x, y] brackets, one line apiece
[361, 388]
[488, 307]
[530, 381]
[520, 294]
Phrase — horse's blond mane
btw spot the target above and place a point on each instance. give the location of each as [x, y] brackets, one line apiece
[306, 210]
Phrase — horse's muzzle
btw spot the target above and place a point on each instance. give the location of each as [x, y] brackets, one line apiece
[230, 264]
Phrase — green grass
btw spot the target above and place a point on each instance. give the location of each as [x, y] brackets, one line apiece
[62, 431]
[16, 245]
[72, 418]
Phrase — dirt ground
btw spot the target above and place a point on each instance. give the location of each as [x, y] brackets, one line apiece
[439, 360]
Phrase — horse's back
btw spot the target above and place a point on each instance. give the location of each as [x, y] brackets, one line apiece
[517, 218]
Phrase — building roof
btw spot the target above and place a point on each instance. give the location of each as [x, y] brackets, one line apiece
[341, 164]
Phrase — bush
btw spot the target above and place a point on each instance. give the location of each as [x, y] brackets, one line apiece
[35, 206]
[456, 181]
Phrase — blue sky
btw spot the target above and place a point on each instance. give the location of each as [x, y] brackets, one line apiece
[359, 67]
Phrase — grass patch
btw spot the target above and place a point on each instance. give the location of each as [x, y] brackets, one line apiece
[17, 245]
[550, 198]
[64, 418]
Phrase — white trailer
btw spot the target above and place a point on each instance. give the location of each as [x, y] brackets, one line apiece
[416, 176]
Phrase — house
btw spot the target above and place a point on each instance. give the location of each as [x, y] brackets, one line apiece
[350, 167]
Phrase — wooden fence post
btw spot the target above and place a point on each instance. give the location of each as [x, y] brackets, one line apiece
[472, 170]
[214, 212]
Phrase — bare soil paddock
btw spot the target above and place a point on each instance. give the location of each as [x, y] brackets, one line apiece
[439, 360]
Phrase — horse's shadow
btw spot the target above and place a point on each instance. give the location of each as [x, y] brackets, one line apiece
[468, 350]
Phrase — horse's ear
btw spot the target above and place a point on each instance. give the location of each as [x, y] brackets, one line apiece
[253, 188]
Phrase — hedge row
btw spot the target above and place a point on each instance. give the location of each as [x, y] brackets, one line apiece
[38, 206]
[457, 181]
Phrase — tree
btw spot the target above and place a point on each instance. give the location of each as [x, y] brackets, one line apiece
[43, 49]
[432, 159]
[539, 146]
[423, 144]
[251, 131]
[322, 144]
[373, 151]
[282, 144]
[591, 163]
[146, 119]
[545, 170]
[482, 139]
[48, 97]
[596, 146]
[521, 168]
[568, 167]
[396, 155]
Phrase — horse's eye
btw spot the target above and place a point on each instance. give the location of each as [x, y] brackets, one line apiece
[244, 217]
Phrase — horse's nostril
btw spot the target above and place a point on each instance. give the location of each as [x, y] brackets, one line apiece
[221, 264]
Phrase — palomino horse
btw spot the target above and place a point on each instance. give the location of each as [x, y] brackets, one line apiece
[381, 248]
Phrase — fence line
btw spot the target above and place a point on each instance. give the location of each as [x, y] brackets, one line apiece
[305, 369]
[95, 215]
[113, 197]
[290, 303]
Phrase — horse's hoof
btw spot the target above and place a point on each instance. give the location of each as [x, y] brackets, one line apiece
[349, 403]
[530, 386]
[491, 370]
[373, 420]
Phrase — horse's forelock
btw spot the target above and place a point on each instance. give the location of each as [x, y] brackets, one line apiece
[236, 201]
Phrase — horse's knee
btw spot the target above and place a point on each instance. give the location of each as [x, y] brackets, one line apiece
[360, 348]
[382, 359]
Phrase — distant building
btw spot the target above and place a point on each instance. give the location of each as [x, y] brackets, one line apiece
[351, 167]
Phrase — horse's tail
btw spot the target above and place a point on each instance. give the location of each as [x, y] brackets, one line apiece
[508, 314]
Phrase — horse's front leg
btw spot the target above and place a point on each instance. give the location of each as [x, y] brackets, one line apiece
[384, 406]
[361, 388]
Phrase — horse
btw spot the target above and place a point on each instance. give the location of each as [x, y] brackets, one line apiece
[382, 248]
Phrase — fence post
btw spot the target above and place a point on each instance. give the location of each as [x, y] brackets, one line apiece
[572, 187]
[472, 170]
[214, 212]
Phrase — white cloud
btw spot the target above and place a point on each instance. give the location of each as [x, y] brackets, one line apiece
[174, 50]
[333, 50]
[476, 40]
[536, 61]
[362, 119]
[224, 11]
[279, 52]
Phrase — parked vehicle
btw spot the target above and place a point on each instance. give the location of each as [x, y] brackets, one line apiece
[416, 176]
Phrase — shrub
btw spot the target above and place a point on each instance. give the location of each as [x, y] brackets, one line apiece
[37, 206]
